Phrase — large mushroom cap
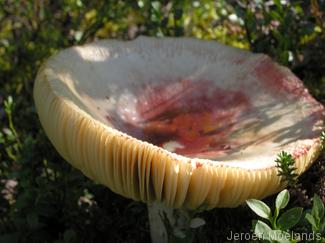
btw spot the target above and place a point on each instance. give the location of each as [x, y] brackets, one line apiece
[190, 123]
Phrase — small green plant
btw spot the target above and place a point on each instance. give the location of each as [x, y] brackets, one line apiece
[286, 168]
[280, 224]
[179, 231]
[316, 216]
[9, 136]
[280, 227]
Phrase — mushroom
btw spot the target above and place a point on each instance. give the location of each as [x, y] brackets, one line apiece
[178, 123]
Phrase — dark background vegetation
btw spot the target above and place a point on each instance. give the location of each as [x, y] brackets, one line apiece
[42, 198]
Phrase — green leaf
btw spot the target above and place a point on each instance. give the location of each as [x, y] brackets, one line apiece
[260, 208]
[279, 5]
[8, 105]
[282, 199]
[289, 218]
[178, 233]
[310, 218]
[279, 236]
[318, 208]
[276, 16]
[322, 226]
[262, 230]
[196, 223]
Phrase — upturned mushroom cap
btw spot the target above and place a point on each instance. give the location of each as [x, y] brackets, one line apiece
[186, 122]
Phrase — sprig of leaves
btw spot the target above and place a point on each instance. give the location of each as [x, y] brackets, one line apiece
[316, 216]
[286, 168]
[279, 227]
[184, 226]
[9, 135]
[280, 224]
[9, 106]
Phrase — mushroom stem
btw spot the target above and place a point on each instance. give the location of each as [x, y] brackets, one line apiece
[169, 224]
